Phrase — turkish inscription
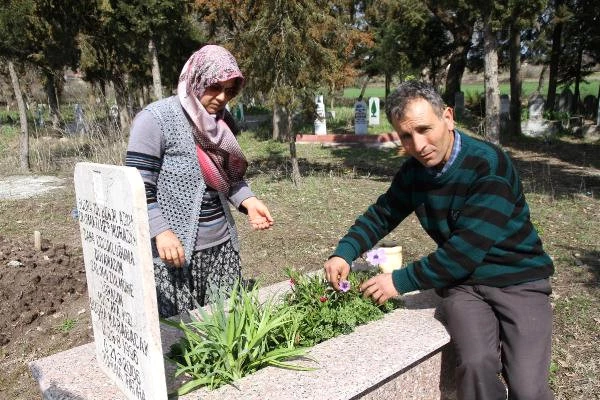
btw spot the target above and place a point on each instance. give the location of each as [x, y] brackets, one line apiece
[118, 288]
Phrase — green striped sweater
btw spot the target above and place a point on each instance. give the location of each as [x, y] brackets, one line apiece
[476, 213]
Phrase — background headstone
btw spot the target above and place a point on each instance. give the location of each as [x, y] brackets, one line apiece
[374, 111]
[565, 100]
[459, 105]
[361, 126]
[113, 220]
[39, 115]
[79, 122]
[320, 119]
[536, 125]
[589, 106]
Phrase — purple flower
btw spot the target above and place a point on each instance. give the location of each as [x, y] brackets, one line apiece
[344, 286]
[376, 256]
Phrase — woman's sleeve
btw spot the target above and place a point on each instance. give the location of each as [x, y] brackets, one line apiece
[144, 152]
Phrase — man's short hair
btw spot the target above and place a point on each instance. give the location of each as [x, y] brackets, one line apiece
[396, 102]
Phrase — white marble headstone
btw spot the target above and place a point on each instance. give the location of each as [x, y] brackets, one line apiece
[320, 119]
[361, 126]
[113, 220]
[374, 111]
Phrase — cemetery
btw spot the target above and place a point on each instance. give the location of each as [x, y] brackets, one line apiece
[292, 100]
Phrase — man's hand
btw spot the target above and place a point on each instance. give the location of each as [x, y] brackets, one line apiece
[258, 214]
[170, 249]
[336, 269]
[380, 288]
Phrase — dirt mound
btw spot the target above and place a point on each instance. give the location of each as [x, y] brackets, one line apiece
[35, 284]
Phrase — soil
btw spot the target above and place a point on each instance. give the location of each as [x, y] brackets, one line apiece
[44, 308]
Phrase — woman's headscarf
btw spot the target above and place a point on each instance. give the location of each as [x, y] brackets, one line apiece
[221, 159]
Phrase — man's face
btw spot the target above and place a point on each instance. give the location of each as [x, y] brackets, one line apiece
[424, 135]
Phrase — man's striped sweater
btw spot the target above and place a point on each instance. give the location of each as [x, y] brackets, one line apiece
[476, 213]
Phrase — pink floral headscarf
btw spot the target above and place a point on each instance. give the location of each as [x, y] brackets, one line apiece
[221, 159]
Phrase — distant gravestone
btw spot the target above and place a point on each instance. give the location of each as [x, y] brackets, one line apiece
[79, 122]
[113, 220]
[374, 111]
[564, 101]
[536, 126]
[321, 117]
[589, 106]
[459, 105]
[239, 113]
[39, 115]
[361, 126]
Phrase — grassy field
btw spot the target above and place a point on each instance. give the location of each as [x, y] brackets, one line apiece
[470, 89]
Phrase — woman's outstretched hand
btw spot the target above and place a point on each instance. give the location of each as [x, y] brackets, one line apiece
[258, 213]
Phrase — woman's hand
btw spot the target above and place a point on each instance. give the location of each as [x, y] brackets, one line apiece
[258, 214]
[170, 249]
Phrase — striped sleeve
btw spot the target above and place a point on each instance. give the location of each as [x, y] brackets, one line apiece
[487, 210]
[144, 152]
[379, 220]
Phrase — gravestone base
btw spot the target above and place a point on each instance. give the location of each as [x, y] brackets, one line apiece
[405, 355]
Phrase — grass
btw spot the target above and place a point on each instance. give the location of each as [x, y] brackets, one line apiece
[529, 86]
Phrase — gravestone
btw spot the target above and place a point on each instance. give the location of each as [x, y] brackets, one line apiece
[536, 125]
[589, 106]
[320, 118]
[79, 122]
[113, 220]
[374, 111]
[39, 115]
[239, 114]
[459, 105]
[564, 101]
[361, 126]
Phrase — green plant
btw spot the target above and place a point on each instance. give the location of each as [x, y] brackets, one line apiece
[237, 338]
[67, 325]
[327, 313]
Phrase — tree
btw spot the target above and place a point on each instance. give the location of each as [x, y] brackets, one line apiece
[458, 17]
[522, 14]
[24, 136]
[287, 50]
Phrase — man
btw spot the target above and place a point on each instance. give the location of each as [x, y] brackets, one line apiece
[489, 267]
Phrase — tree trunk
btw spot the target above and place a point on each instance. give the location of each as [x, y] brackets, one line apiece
[158, 94]
[278, 120]
[515, 80]
[458, 63]
[555, 54]
[296, 177]
[53, 103]
[24, 137]
[492, 92]
[122, 98]
[364, 87]
[576, 92]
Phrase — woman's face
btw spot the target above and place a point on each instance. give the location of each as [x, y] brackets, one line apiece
[216, 96]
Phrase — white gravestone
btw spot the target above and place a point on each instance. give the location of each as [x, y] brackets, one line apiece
[113, 220]
[536, 125]
[374, 111]
[361, 126]
[320, 120]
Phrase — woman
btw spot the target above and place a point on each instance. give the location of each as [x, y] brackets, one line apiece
[192, 167]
